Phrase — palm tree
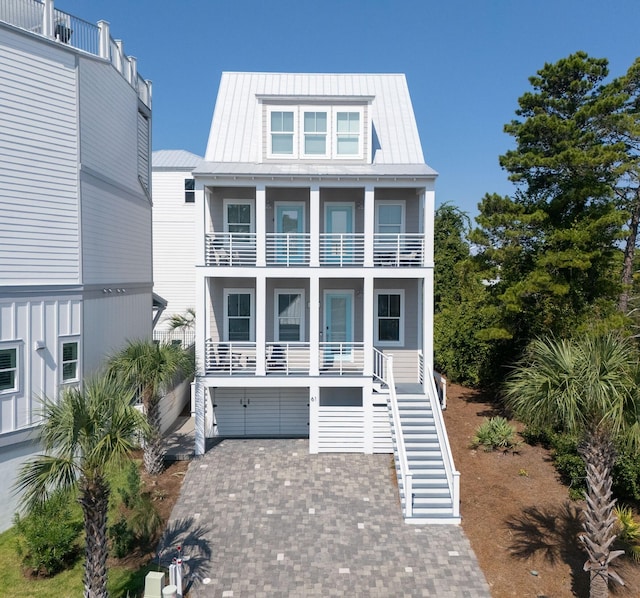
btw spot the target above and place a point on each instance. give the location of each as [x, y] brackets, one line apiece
[185, 321]
[84, 435]
[584, 387]
[151, 368]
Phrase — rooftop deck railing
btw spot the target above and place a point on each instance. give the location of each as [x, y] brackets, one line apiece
[40, 17]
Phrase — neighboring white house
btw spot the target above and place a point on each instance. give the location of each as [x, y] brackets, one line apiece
[314, 265]
[75, 213]
[174, 274]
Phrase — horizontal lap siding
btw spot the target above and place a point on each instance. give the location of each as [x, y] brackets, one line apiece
[38, 171]
[341, 429]
[381, 429]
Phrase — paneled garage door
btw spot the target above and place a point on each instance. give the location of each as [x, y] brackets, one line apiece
[262, 411]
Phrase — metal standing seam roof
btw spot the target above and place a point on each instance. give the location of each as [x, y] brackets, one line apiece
[236, 129]
[174, 159]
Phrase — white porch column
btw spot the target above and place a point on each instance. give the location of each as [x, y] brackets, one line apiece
[261, 227]
[427, 319]
[314, 326]
[429, 217]
[261, 324]
[368, 323]
[103, 28]
[369, 225]
[199, 423]
[47, 18]
[201, 208]
[314, 414]
[367, 404]
[314, 225]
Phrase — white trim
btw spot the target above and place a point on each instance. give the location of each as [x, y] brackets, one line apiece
[391, 202]
[240, 202]
[252, 313]
[17, 347]
[376, 317]
[61, 342]
[276, 315]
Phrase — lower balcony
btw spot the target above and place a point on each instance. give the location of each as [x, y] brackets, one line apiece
[284, 358]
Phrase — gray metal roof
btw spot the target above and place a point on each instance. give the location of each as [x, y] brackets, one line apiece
[236, 128]
[174, 160]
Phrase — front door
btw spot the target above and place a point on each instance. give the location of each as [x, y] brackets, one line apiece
[290, 226]
[339, 228]
[338, 324]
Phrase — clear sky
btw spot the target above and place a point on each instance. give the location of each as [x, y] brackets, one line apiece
[466, 61]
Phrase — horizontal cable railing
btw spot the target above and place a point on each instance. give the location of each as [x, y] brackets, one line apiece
[398, 250]
[287, 359]
[288, 249]
[341, 249]
[341, 358]
[229, 358]
[230, 249]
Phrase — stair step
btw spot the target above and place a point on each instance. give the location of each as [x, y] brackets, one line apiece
[432, 512]
[417, 455]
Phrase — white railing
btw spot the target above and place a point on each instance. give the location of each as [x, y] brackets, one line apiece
[441, 387]
[288, 249]
[41, 18]
[342, 249]
[230, 249]
[230, 358]
[398, 250]
[379, 366]
[287, 358]
[453, 476]
[185, 338]
[341, 358]
[405, 472]
[420, 367]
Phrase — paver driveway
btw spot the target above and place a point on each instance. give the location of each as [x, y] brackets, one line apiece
[262, 518]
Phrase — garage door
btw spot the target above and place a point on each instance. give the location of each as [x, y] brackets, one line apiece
[262, 411]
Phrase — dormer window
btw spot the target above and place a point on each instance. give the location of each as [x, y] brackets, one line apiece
[315, 133]
[282, 133]
[348, 133]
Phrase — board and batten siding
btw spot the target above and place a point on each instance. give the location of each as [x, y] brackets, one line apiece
[38, 171]
[174, 275]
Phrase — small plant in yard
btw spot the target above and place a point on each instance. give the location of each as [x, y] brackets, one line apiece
[523, 473]
[495, 433]
[629, 532]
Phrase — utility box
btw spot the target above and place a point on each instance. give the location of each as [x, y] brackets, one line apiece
[170, 591]
[154, 584]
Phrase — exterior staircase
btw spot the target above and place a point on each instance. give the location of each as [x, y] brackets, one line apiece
[432, 487]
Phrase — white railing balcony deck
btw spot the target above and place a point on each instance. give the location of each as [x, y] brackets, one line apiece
[230, 249]
[341, 359]
[398, 250]
[230, 358]
[288, 249]
[341, 249]
[288, 359]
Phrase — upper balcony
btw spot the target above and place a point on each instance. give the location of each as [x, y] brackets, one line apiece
[42, 19]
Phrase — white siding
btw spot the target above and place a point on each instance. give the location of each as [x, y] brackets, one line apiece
[38, 170]
[173, 243]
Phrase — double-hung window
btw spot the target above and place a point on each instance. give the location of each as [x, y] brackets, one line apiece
[70, 361]
[315, 134]
[8, 369]
[189, 191]
[282, 132]
[238, 316]
[289, 315]
[348, 134]
[389, 318]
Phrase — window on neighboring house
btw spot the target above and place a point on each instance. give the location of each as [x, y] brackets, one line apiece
[238, 315]
[189, 191]
[144, 150]
[70, 369]
[348, 133]
[389, 318]
[315, 133]
[289, 315]
[282, 132]
[8, 369]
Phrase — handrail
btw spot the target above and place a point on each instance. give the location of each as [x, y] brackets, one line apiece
[453, 476]
[405, 472]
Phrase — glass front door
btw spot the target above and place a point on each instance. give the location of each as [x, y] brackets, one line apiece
[290, 226]
[339, 228]
[338, 324]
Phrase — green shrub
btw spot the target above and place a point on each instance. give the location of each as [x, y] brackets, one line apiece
[626, 475]
[132, 484]
[122, 538]
[572, 472]
[495, 433]
[48, 536]
[628, 532]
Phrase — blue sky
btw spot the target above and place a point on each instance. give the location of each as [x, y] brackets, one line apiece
[466, 61]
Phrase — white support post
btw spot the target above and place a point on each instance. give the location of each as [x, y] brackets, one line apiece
[367, 404]
[314, 414]
[261, 227]
[47, 19]
[314, 225]
[368, 324]
[427, 320]
[261, 325]
[201, 206]
[314, 326]
[118, 60]
[369, 225]
[199, 423]
[103, 28]
[133, 70]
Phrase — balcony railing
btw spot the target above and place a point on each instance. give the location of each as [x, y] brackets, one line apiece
[41, 18]
[398, 250]
[230, 358]
[230, 249]
[341, 359]
[288, 249]
[287, 359]
[341, 249]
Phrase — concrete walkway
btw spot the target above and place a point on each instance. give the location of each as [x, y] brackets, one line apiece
[263, 518]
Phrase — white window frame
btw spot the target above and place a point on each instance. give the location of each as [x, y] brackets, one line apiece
[13, 346]
[294, 109]
[189, 190]
[252, 313]
[64, 341]
[276, 314]
[351, 109]
[385, 202]
[242, 202]
[401, 319]
[327, 135]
